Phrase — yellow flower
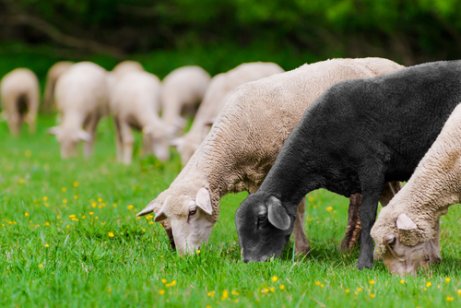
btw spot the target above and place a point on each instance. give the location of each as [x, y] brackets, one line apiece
[46, 245]
[41, 266]
[235, 293]
[75, 197]
[225, 295]
[171, 284]
[91, 213]
[161, 292]
[45, 198]
[450, 298]
[282, 287]
[26, 214]
[64, 201]
[372, 295]
[428, 284]
[211, 294]
[130, 207]
[347, 291]
[76, 184]
[47, 224]
[317, 283]
[459, 292]
[63, 189]
[329, 209]
[371, 281]
[149, 217]
[402, 281]
[94, 204]
[197, 251]
[272, 289]
[274, 278]
[111, 234]
[447, 279]
[264, 290]
[208, 306]
[100, 200]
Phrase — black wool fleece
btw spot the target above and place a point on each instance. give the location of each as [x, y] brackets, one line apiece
[357, 136]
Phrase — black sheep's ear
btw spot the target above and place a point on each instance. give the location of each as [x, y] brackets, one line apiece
[277, 214]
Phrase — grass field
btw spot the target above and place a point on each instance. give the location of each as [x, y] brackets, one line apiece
[69, 237]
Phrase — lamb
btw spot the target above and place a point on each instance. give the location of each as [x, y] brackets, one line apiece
[406, 232]
[125, 67]
[20, 99]
[55, 71]
[358, 135]
[220, 86]
[242, 146]
[182, 90]
[134, 104]
[82, 99]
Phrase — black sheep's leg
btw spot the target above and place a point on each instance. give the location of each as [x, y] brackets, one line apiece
[372, 186]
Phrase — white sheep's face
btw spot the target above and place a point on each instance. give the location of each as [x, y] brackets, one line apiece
[402, 259]
[69, 140]
[191, 225]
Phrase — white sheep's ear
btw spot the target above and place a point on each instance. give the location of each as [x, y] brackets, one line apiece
[405, 223]
[54, 130]
[277, 214]
[84, 136]
[152, 207]
[203, 200]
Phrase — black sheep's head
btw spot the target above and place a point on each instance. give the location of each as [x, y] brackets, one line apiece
[264, 226]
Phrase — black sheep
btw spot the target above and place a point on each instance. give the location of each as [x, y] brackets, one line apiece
[357, 136]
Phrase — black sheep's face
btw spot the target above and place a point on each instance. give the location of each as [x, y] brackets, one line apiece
[263, 226]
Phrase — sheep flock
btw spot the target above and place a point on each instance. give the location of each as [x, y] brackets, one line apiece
[357, 127]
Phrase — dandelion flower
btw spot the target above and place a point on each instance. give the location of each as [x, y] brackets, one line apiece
[211, 294]
[371, 281]
[274, 278]
[26, 214]
[130, 207]
[111, 234]
[402, 281]
[163, 281]
[171, 284]
[63, 189]
[197, 251]
[41, 266]
[459, 292]
[282, 287]
[329, 209]
[450, 298]
[161, 292]
[45, 198]
[317, 283]
[447, 279]
[372, 295]
[264, 290]
[347, 291]
[75, 184]
[235, 293]
[225, 295]
[428, 284]
[46, 245]
[91, 213]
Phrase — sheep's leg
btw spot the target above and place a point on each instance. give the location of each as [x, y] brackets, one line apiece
[118, 139]
[372, 186]
[301, 242]
[90, 128]
[351, 237]
[127, 143]
[354, 226]
[146, 145]
[14, 123]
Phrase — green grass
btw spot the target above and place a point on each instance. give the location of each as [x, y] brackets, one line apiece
[50, 258]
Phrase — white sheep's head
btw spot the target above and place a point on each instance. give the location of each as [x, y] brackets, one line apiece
[69, 139]
[190, 218]
[404, 251]
[157, 140]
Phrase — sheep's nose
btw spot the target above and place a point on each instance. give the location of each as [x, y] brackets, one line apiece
[246, 260]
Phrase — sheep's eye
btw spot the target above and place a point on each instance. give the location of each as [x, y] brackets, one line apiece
[261, 220]
[191, 213]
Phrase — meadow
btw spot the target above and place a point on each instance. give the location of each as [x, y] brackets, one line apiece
[69, 236]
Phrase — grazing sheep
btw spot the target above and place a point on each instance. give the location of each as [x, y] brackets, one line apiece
[182, 90]
[213, 102]
[242, 146]
[55, 71]
[82, 99]
[134, 104]
[406, 231]
[125, 67]
[20, 99]
[357, 135]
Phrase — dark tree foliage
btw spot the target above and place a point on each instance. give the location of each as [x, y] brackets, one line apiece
[410, 31]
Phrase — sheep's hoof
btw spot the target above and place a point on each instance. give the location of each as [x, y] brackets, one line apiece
[364, 264]
[302, 250]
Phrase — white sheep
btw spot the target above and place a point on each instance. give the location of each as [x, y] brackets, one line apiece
[242, 146]
[182, 91]
[126, 66]
[55, 71]
[406, 232]
[20, 99]
[221, 85]
[134, 104]
[82, 99]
